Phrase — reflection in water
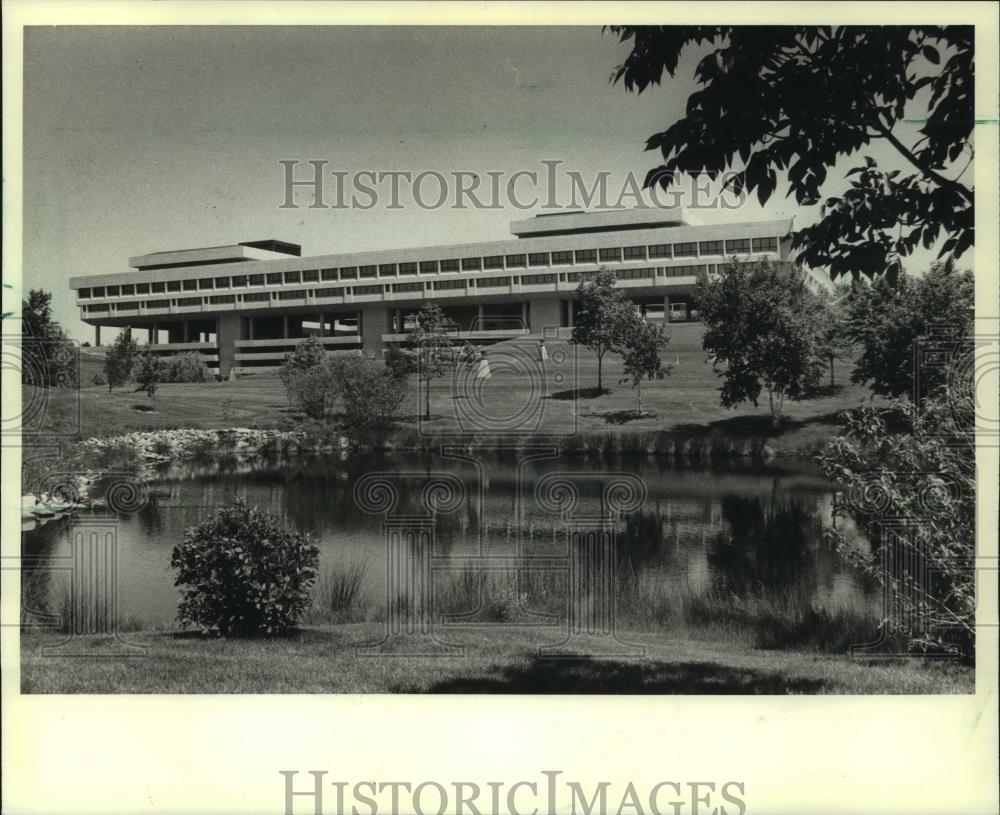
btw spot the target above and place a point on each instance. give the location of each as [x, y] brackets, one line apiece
[734, 530]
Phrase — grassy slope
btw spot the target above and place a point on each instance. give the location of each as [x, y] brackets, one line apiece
[685, 402]
[324, 660]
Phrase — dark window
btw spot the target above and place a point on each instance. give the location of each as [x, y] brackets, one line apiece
[310, 275]
[189, 285]
[222, 298]
[562, 257]
[112, 291]
[205, 283]
[428, 266]
[449, 284]
[366, 271]
[407, 286]
[516, 261]
[710, 248]
[492, 282]
[660, 250]
[348, 272]
[739, 245]
[611, 254]
[157, 288]
[239, 280]
[97, 309]
[158, 304]
[292, 295]
[635, 274]
[537, 279]
[222, 282]
[329, 274]
[635, 253]
[173, 285]
[450, 265]
[256, 280]
[765, 244]
[471, 263]
[274, 278]
[99, 291]
[368, 289]
[256, 296]
[130, 289]
[493, 262]
[333, 292]
[684, 271]
[686, 250]
[293, 277]
[83, 294]
[586, 255]
[573, 277]
[407, 268]
[538, 259]
[387, 270]
[128, 305]
[189, 301]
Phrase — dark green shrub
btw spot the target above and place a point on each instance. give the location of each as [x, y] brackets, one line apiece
[186, 367]
[244, 572]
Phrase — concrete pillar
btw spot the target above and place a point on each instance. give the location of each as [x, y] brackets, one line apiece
[250, 335]
[227, 333]
[322, 325]
[544, 313]
[187, 330]
[570, 311]
[666, 308]
[480, 325]
[524, 314]
[284, 331]
[374, 323]
[97, 336]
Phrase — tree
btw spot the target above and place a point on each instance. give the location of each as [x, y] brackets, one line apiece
[642, 344]
[148, 373]
[432, 345]
[120, 359]
[788, 101]
[309, 380]
[913, 492]
[833, 340]
[399, 363]
[603, 313]
[48, 357]
[760, 332]
[888, 318]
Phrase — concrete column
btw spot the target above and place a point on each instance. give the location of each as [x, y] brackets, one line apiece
[666, 308]
[374, 323]
[227, 333]
[481, 325]
[524, 314]
[570, 311]
[187, 331]
[97, 336]
[544, 313]
[285, 334]
[322, 325]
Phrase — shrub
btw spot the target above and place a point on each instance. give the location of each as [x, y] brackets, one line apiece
[99, 379]
[311, 390]
[243, 572]
[399, 363]
[186, 367]
[148, 372]
[372, 395]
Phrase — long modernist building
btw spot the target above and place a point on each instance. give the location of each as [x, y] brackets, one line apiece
[244, 306]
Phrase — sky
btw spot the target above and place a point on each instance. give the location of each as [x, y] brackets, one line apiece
[145, 139]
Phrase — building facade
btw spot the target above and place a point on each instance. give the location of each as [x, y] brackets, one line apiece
[242, 307]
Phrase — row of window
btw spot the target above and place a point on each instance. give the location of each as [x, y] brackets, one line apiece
[488, 263]
[437, 285]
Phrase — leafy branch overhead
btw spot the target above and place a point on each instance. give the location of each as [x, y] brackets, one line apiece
[780, 105]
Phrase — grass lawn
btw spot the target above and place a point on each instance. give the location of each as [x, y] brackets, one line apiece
[563, 401]
[325, 660]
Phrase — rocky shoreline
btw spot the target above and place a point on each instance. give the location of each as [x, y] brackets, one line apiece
[71, 493]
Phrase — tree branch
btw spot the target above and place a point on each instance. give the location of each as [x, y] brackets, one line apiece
[886, 132]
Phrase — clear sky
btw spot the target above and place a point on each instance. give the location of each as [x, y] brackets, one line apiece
[144, 139]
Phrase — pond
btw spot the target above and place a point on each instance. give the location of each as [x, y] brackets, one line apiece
[404, 523]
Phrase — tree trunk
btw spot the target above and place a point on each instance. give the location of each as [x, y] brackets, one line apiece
[600, 360]
[638, 393]
[831, 373]
[427, 400]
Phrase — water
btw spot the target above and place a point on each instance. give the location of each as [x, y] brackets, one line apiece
[736, 529]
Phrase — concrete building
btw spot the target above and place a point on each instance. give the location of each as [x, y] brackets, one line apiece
[244, 306]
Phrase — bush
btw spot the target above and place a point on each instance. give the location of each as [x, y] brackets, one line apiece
[372, 395]
[399, 363]
[243, 572]
[99, 379]
[186, 367]
[311, 390]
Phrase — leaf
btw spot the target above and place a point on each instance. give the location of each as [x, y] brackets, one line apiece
[930, 54]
